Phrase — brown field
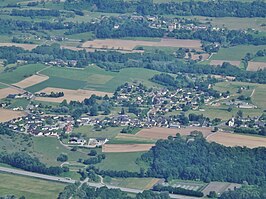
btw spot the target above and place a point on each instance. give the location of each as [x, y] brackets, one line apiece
[24, 46]
[30, 81]
[4, 92]
[152, 183]
[6, 115]
[220, 62]
[163, 133]
[129, 45]
[70, 95]
[120, 148]
[229, 139]
[254, 66]
[196, 56]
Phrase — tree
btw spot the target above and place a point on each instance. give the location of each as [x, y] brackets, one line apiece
[62, 158]
[93, 153]
[94, 110]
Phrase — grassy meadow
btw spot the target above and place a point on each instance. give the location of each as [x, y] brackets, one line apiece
[31, 188]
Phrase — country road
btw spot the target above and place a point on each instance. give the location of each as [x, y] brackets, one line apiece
[92, 184]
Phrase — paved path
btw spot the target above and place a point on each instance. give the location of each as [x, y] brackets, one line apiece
[36, 175]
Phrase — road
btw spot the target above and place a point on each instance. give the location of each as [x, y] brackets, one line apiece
[92, 184]
[36, 175]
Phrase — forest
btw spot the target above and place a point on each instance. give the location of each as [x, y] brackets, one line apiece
[196, 159]
[147, 7]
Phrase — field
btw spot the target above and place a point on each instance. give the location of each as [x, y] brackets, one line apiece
[219, 187]
[6, 115]
[133, 183]
[20, 73]
[236, 53]
[220, 62]
[162, 133]
[25, 46]
[120, 161]
[30, 81]
[229, 139]
[92, 78]
[117, 148]
[254, 66]
[70, 95]
[4, 92]
[88, 132]
[29, 187]
[120, 44]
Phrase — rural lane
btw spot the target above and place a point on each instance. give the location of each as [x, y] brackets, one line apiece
[92, 184]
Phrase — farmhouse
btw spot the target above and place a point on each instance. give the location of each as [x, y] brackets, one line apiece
[97, 142]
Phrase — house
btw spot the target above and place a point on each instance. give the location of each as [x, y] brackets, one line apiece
[97, 142]
[231, 122]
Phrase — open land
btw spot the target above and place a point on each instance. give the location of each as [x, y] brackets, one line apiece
[4, 92]
[130, 44]
[163, 133]
[6, 115]
[29, 187]
[70, 95]
[30, 81]
[254, 66]
[24, 46]
[219, 187]
[115, 148]
[229, 139]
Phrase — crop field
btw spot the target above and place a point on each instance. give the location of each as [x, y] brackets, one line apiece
[4, 92]
[254, 66]
[92, 78]
[6, 114]
[120, 161]
[120, 44]
[125, 148]
[70, 95]
[162, 133]
[236, 53]
[20, 73]
[24, 46]
[30, 81]
[134, 183]
[230, 139]
[29, 187]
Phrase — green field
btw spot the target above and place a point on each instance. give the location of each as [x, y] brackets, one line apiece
[120, 161]
[236, 53]
[31, 188]
[20, 73]
[93, 78]
[89, 132]
[47, 149]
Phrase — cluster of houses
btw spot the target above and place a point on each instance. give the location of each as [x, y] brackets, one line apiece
[246, 122]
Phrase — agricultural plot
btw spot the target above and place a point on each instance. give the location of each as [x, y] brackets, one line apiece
[236, 53]
[254, 66]
[92, 78]
[30, 81]
[4, 92]
[220, 62]
[129, 45]
[162, 133]
[230, 139]
[70, 95]
[125, 148]
[29, 187]
[7, 115]
[24, 46]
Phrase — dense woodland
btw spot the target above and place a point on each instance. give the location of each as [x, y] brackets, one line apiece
[103, 193]
[197, 159]
[147, 7]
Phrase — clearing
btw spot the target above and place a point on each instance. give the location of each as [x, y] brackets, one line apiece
[254, 66]
[232, 139]
[7, 115]
[120, 44]
[4, 92]
[70, 95]
[219, 187]
[117, 148]
[29, 187]
[30, 81]
[24, 46]
[163, 133]
[220, 62]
